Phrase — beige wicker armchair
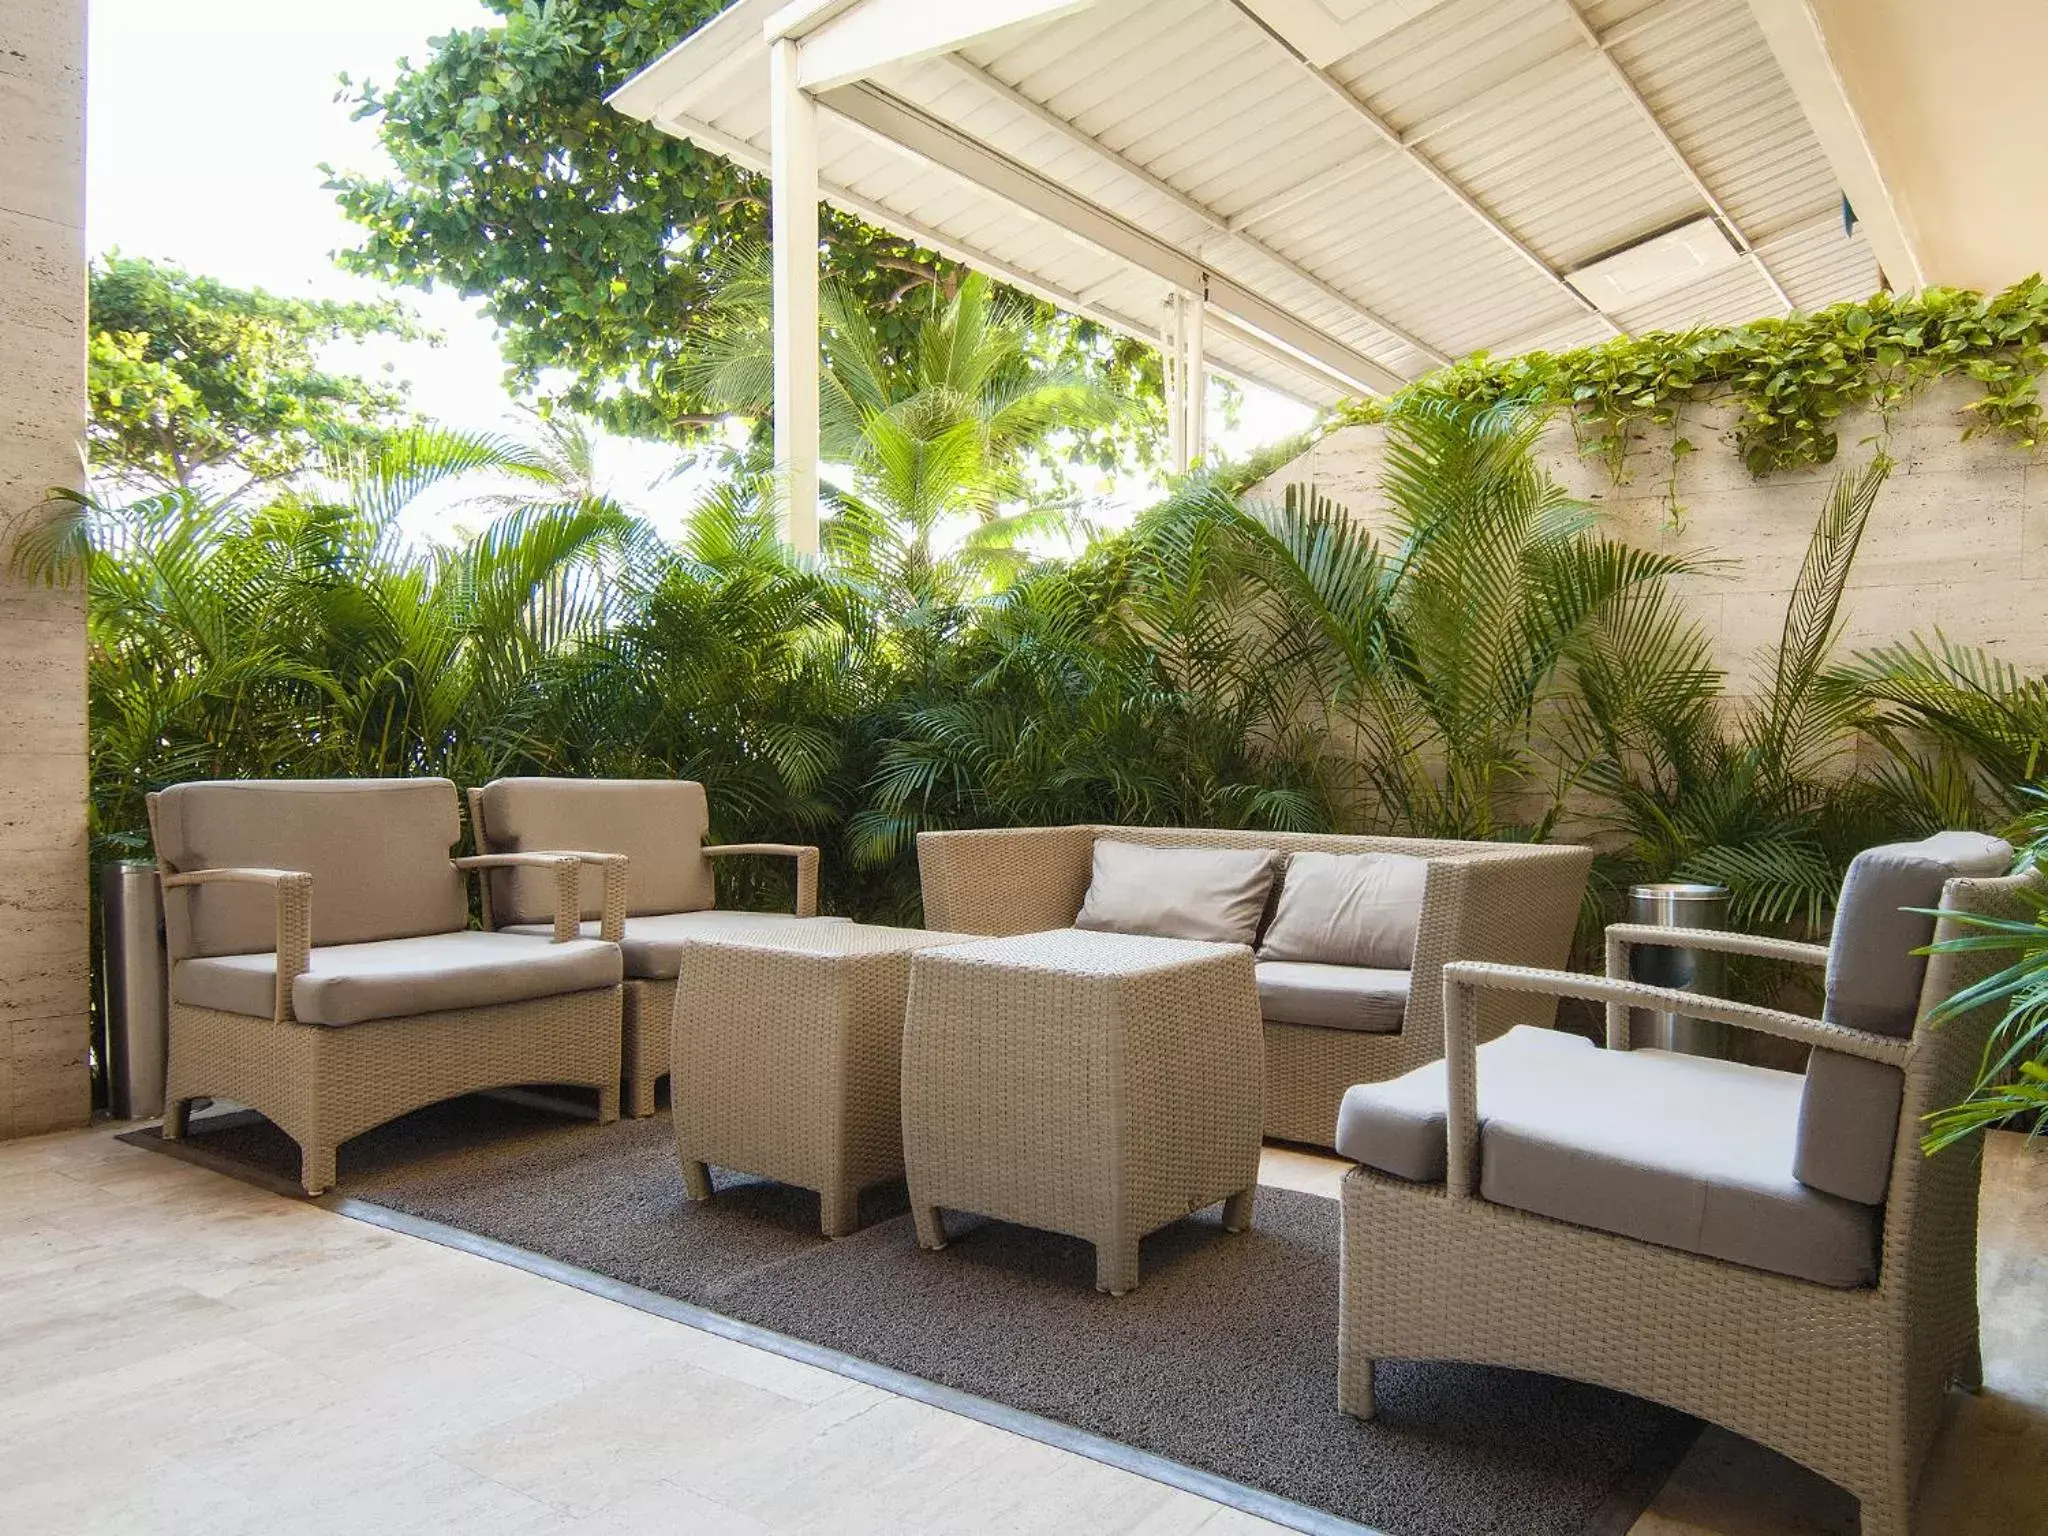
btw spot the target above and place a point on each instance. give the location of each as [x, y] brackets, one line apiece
[670, 897]
[1512, 903]
[323, 973]
[1767, 1250]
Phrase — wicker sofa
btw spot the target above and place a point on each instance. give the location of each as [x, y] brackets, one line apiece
[1514, 904]
[670, 898]
[1767, 1250]
[322, 969]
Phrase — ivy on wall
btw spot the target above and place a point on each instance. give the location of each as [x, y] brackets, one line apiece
[1791, 379]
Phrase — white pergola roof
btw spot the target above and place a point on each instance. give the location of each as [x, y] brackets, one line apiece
[1354, 190]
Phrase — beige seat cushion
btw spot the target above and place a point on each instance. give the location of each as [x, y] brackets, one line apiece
[395, 978]
[654, 944]
[1216, 895]
[659, 824]
[1332, 996]
[377, 849]
[1348, 909]
[1671, 1149]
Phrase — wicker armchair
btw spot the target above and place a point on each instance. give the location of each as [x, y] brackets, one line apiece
[1702, 1233]
[670, 897]
[322, 971]
[1512, 903]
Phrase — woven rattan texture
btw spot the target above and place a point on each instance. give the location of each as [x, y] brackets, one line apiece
[1513, 904]
[1848, 1382]
[322, 1085]
[786, 1050]
[1094, 1084]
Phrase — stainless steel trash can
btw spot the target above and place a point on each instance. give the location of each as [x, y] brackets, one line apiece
[135, 1002]
[1679, 904]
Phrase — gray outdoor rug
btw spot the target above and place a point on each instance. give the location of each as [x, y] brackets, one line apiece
[1224, 1359]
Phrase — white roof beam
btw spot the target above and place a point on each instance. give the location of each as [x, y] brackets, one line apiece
[744, 153]
[852, 43]
[1650, 119]
[1801, 48]
[901, 126]
[1391, 136]
[1078, 136]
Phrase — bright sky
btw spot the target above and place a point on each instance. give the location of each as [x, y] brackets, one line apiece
[209, 120]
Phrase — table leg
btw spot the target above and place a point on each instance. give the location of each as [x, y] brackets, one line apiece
[1116, 1264]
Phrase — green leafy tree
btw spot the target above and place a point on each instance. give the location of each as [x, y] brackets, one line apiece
[598, 244]
[196, 385]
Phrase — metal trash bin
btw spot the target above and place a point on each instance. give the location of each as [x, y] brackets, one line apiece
[1679, 904]
[136, 1003]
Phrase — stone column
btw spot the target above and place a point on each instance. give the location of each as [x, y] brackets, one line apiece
[44, 968]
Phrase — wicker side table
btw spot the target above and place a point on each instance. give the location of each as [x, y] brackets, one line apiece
[785, 1051]
[1095, 1084]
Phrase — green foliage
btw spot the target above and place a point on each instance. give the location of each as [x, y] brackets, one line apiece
[195, 385]
[1791, 379]
[599, 244]
[1495, 666]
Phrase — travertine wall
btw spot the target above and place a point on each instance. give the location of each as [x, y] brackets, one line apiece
[43, 926]
[1959, 539]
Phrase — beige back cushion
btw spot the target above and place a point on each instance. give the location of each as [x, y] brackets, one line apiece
[658, 824]
[1849, 1112]
[377, 849]
[1218, 894]
[1348, 909]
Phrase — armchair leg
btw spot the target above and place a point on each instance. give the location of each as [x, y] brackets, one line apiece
[838, 1211]
[1116, 1264]
[640, 1097]
[608, 1104]
[1354, 1387]
[1970, 1369]
[1237, 1210]
[176, 1114]
[931, 1230]
[316, 1168]
[1887, 1512]
[696, 1180]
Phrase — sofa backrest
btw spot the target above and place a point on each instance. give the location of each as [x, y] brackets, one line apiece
[1849, 1110]
[658, 824]
[377, 849]
[1027, 879]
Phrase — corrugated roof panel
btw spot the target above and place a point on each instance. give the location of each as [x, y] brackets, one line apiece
[1713, 82]
[1819, 265]
[1517, 109]
[1587, 176]
[1456, 53]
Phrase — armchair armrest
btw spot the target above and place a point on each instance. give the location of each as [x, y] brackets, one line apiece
[1623, 937]
[568, 868]
[1464, 980]
[806, 867]
[1510, 904]
[294, 893]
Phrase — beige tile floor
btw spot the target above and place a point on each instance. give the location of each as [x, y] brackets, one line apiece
[182, 1352]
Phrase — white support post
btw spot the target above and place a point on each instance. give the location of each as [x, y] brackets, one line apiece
[793, 221]
[1170, 359]
[1197, 392]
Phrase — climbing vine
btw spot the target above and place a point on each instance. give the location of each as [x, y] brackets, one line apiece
[1791, 379]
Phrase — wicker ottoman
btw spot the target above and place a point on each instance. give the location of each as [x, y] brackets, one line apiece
[1094, 1084]
[784, 1055]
